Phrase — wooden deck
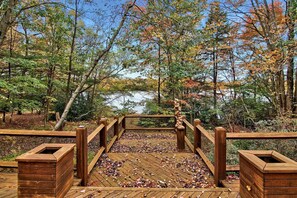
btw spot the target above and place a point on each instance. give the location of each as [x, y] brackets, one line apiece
[8, 185]
[150, 192]
[234, 184]
[151, 169]
[148, 166]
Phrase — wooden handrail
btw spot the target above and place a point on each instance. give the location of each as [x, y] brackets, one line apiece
[95, 159]
[149, 116]
[9, 164]
[121, 133]
[14, 132]
[121, 119]
[160, 128]
[95, 132]
[188, 142]
[262, 135]
[206, 160]
[110, 125]
[189, 124]
[206, 133]
[111, 143]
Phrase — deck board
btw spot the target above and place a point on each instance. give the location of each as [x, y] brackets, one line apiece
[153, 167]
[111, 192]
[233, 185]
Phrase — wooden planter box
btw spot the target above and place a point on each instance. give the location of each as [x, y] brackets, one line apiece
[267, 174]
[46, 171]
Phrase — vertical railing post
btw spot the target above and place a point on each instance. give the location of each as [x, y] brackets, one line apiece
[183, 117]
[82, 154]
[197, 135]
[124, 123]
[98, 120]
[220, 155]
[103, 134]
[116, 127]
[180, 133]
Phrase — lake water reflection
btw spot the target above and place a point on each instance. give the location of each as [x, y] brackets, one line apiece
[117, 100]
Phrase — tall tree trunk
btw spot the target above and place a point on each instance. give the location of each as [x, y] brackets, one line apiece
[233, 73]
[51, 75]
[282, 91]
[72, 50]
[159, 76]
[6, 20]
[291, 7]
[101, 54]
[215, 77]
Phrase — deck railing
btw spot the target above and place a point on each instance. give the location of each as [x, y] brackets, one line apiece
[219, 168]
[36, 133]
[110, 132]
[83, 139]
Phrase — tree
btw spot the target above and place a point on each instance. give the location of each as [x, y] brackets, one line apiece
[218, 30]
[101, 54]
[167, 38]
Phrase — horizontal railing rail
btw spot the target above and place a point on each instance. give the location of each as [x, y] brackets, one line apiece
[148, 116]
[262, 135]
[17, 132]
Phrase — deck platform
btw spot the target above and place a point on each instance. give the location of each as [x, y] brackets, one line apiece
[170, 170]
[111, 192]
[142, 164]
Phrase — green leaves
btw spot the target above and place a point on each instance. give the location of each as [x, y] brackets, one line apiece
[21, 62]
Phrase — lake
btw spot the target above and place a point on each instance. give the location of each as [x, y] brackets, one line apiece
[117, 100]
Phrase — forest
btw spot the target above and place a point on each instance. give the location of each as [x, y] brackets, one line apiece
[230, 62]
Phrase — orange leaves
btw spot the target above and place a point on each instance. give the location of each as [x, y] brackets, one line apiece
[191, 84]
[264, 20]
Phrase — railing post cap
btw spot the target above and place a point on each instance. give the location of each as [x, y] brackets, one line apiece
[103, 121]
[180, 127]
[220, 129]
[197, 121]
[81, 126]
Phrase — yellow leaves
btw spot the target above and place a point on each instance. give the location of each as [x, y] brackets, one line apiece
[80, 23]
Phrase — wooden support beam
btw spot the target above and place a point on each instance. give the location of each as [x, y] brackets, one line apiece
[82, 154]
[220, 155]
[180, 133]
[197, 135]
[103, 134]
[124, 123]
[116, 127]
